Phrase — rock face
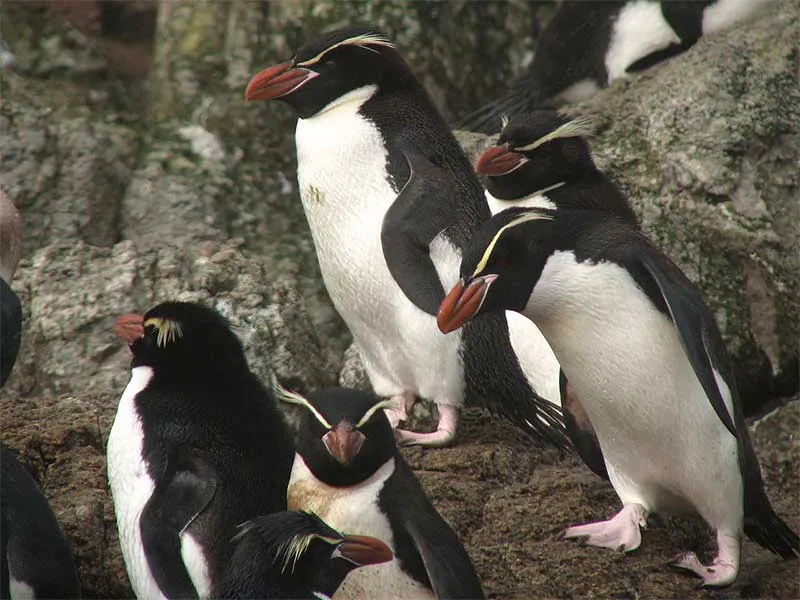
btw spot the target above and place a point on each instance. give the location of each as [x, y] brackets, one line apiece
[188, 193]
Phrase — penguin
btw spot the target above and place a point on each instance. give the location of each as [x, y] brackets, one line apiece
[198, 446]
[542, 158]
[36, 558]
[391, 200]
[589, 44]
[295, 554]
[10, 307]
[348, 470]
[642, 351]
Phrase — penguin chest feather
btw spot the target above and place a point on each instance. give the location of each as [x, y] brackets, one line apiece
[345, 190]
[664, 445]
[131, 485]
[355, 510]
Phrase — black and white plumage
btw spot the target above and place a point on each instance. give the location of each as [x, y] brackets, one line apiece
[348, 470]
[10, 308]
[296, 555]
[198, 447]
[588, 44]
[543, 159]
[643, 353]
[391, 202]
[35, 557]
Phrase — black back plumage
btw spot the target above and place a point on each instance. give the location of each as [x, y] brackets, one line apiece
[215, 442]
[34, 549]
[10, 329]
[263, 566]
[426, 546]
[596, 236]
[573, 47]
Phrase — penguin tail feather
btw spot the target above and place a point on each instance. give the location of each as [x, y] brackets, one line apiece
[770, 531]
[761, 523]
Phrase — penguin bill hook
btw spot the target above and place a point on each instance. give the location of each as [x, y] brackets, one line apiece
[278, 80]
[463, 302]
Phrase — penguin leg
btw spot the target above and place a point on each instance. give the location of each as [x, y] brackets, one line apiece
[403, 404]
[620, 533]
[722, 570]
[444, 434]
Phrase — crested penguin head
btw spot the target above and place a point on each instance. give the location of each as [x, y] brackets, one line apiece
[188, 340]
[345, 437]
[10, 237]
[536, 150]
[501, 265]
[330, 66]
[296, 554]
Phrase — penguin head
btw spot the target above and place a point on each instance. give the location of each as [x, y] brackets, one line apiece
[329, 66]
[536, 150]
[296, 554]
[500, 266]
[184, 339]
[345, 437]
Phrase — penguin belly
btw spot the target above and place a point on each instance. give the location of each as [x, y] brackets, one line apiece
[131, 488]
[345, 193]
[355, 510]
[724, 13]
[535, 357]
[664, 446]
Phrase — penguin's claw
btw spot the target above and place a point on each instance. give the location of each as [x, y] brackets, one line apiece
[438, 439]
[404, 404]
[621, 533]
[719, 573]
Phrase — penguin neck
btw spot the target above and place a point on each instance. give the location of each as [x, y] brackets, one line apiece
[351, 101]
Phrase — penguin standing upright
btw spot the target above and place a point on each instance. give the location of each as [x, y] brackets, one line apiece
[198, 447]
[10, 308]
[643, 353]
[295, 554]
[36, 559]
[348, 470]
[542, 159]
[588, 44]
[391, 200]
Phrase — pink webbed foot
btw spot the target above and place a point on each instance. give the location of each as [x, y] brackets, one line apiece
[444, 434]
[723, 569]
[621, 533]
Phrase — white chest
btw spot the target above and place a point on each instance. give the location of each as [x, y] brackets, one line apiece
[355, 510]
[639, 30]
[625, 361]
[535, 200]
[131, 488]
[130, 483]
[345, 193]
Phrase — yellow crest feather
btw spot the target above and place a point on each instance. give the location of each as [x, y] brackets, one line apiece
[580, 126]
[364, 41]
[524, 218]
[169, 330]
[285, 395]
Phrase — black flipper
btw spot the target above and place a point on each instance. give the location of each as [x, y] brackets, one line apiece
[10, 329]
[580, 430]
[182, 492]
[424, 543]
[408, 231]
[689, 313]
[690, 316]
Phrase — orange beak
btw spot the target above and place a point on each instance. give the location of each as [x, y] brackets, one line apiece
[363, 550]
[344, 442]
[499, 160]
[279, 80]
[463, 303]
